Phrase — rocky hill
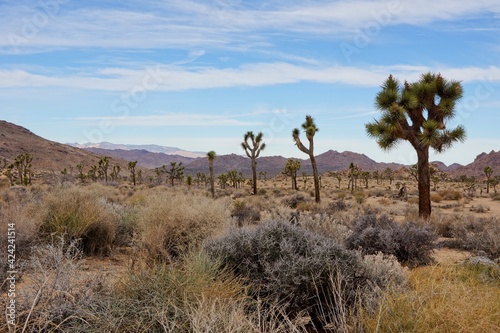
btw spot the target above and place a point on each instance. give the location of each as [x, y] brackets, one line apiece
[48, 156]
[476, 168]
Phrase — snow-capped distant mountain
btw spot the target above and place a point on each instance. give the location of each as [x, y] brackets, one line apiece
[150, 148]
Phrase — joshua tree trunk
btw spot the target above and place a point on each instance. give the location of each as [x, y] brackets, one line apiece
[316, 178]
[424, 184]
[254, 176]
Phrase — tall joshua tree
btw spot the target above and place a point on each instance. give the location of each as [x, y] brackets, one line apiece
[253, 150]
[211, 157]
[310, 128]
[417, 112]
[488, 171]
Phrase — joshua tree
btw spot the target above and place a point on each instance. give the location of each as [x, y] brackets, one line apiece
[494, 182]
[81, 175]
[223, 178]
[389, 174]
[253, 152]
[211, 157]
[488, 171]
[9, 173]
[376, 176]
[291, 168]
[234, 178]
[354, 172]
[417, 112]
[92, 173]
[366, 177]
[23, 166]
[310, 128]
[176, 172]
[103, 167]
[131, 168]
[115, 174]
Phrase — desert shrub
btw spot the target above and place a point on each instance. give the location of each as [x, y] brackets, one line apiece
[244, 213]
[19, 208]
[443, 224]
[477, 234]
[171, 222]
[192, 295]
[360, 197]
[384, 201]
[292, 266]
[408, 242]
[435, 197]
[480, 209]
[451, 195]
[337, 206]
[294, 201]
[327, 225]
[56, 289]
[80, 213]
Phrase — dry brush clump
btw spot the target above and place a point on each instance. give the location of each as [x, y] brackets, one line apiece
[49, 301]
[476, 234]
[410, 243]
[171, 222]
[300, 270]
[80, 213]
[191, 295]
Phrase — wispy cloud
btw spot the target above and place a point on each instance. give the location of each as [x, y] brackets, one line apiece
[170, 119]
[175, 78]
[221, 24]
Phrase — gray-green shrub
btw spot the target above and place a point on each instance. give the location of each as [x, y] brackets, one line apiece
[410, 243]
[290, 265]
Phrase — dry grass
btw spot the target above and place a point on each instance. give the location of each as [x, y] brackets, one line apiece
[171, 222]
[81, 213]
[461, 298]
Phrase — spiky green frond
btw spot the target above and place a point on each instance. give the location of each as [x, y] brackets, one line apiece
[211, 155]
[386, 98]
[391, 84]
[259, 136]
[295, 133]
[309, 123]
[262, 146]
[408, 100]
[430, 135]
[374, 130]
[448, 137]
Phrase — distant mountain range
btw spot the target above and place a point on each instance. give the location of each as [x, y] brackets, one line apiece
[149, 148]
[52, 156]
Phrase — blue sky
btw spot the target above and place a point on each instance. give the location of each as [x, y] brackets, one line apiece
[199, 74]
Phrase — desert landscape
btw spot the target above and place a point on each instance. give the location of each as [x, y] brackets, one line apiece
[264, 166]
[162, 255]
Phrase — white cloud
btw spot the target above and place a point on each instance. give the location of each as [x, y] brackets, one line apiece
[175, 78]
[223, 24]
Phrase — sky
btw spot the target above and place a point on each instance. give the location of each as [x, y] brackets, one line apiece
[199, 74]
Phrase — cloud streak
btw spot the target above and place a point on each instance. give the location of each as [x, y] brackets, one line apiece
[223, 24]
[175, 78]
